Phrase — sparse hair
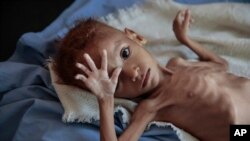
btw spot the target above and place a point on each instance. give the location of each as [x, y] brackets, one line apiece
[71, 48]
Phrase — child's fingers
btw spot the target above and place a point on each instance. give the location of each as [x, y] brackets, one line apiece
[84, 80]
[115, 75]
[83, 68]
[80, 77]
[183, 13]
[187, 18]
[177, 19]
[104, 64]
[90, 62]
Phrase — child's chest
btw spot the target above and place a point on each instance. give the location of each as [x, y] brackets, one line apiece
[192, 90]
[198, 100]
[194, 83]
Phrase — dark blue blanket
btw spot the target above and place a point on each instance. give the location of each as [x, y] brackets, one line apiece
[29, 106]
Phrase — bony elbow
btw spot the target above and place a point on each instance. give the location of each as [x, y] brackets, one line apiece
[148, 106]
[225, 65]
[144, 109]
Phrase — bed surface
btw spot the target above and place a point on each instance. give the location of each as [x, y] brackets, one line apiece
[29, 106]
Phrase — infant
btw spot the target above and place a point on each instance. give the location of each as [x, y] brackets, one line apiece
[199, 97]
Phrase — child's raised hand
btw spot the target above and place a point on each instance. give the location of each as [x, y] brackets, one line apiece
[97, 80]
[181, 25]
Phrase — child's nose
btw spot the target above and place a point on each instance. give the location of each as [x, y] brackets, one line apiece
[131, 73]
[135, 74]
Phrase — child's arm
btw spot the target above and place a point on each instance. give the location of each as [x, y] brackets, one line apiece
[107, 129]
[139, 121]
[103, 88]
[181, 26]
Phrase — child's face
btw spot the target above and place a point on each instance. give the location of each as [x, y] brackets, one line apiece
[140, 71]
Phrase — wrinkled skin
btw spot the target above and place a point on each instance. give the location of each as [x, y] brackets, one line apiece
[200, 97]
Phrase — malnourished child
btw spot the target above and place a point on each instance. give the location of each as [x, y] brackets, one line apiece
[200, 97]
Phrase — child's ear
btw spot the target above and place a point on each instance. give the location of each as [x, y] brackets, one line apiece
[135, 37]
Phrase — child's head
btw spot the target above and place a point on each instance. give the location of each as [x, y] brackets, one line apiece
[124, 49]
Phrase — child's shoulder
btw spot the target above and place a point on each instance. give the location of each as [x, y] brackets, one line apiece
[176, 61]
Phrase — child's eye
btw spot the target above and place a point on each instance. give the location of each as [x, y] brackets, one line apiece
[125, 53]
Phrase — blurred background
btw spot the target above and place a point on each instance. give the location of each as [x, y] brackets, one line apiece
[20, 16]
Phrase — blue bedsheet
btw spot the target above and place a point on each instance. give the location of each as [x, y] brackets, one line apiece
[29, 108]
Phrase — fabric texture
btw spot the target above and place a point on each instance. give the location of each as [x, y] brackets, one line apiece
[29, 105]
[226, 33]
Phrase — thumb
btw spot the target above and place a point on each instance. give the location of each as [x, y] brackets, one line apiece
[115, 75]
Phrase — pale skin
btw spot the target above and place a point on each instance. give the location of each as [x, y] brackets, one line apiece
[200, 97]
